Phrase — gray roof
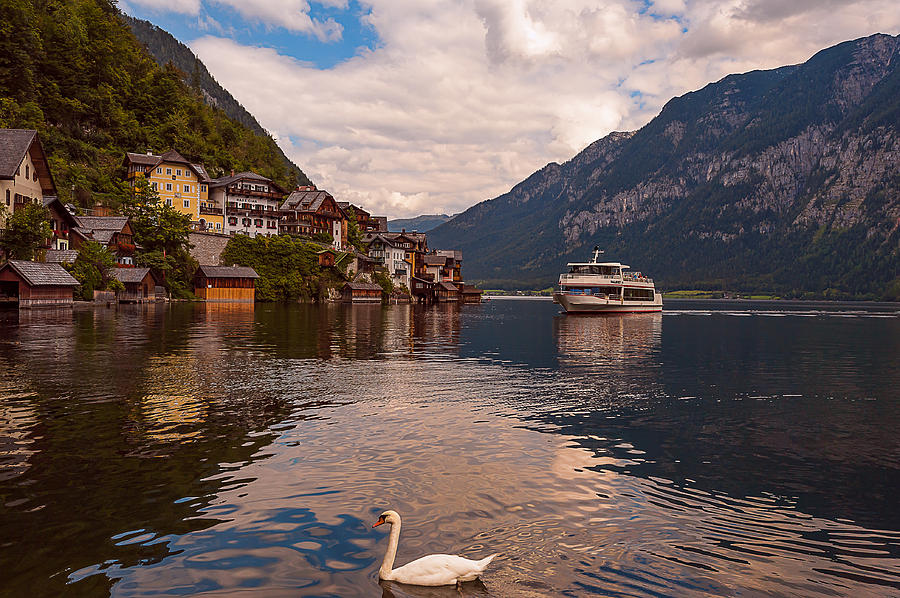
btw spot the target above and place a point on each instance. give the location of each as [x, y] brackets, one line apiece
[142, 159]
[448, 286]
[42, 274]
[201, 171]
[435, 260]
[124, 275]
[14, 143]
[363, 286]
[150, 160]
[305, 201]
[95, 223]
[246, 175]
[228, 272]
[61, 256]
[456, 254]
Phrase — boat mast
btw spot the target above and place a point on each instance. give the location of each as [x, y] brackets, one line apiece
[597, 252]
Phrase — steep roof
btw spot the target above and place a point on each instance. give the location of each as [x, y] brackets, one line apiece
[41, 273]
[435, 260]
[14, 144]
[60, 256]
[305, 201]
[124, 275]
[201, 172]
[171, 156]
[95, 223]
[448, 286]
[228, 272]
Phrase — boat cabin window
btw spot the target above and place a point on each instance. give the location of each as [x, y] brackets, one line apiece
[591, 269]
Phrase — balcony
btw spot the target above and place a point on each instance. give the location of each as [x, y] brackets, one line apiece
[210, 211]
[236, 190]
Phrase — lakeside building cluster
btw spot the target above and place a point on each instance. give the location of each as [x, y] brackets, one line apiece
[244, 203]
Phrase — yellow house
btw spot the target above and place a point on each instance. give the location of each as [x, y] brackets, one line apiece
[181, 184]
[24, 172]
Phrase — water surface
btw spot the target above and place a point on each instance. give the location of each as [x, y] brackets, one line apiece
[720, 448]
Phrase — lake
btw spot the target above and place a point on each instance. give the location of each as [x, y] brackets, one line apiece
[717, 449]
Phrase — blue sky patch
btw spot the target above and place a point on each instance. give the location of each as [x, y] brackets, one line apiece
[223, 21]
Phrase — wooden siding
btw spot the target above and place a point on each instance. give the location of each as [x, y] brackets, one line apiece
[233, 294]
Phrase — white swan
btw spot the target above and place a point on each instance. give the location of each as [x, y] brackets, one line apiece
[431, 570]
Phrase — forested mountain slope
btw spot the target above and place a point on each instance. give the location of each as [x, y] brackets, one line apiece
[75, 72]
[784, 181]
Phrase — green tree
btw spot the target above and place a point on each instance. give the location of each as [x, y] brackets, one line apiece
[163, 234]
[354, 236]
[26, 231]
[93, 268]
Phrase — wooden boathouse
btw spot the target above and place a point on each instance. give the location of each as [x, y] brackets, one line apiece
[36, 284]
[235, 284]
[361, 292]
[139, 285]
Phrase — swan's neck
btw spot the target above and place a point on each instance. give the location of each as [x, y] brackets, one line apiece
[388, 565]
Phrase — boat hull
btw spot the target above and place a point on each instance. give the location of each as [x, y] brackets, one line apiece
[589, 304]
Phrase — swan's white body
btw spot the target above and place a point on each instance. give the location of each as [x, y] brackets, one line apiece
[431, 570]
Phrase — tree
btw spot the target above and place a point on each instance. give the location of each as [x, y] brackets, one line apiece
[93, 268]
[26, 231]
[354, 236]
[163, 233]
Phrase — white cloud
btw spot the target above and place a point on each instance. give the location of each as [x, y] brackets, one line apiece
[184, 7]
[292, 15]
[463, 99]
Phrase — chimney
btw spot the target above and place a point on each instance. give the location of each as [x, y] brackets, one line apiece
[232, 172]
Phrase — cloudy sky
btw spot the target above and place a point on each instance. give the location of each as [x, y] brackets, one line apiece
[429, 106]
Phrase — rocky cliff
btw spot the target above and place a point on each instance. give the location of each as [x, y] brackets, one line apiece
[784, 181]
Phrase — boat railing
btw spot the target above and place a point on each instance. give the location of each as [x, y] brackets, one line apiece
[637, 278]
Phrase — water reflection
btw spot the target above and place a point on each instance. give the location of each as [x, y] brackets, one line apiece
[224, 450]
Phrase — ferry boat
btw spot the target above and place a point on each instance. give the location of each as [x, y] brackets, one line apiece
[605, 287]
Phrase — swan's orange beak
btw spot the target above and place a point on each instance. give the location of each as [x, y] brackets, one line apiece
[379, 522]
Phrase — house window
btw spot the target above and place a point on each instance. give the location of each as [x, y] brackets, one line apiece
[27, 173]
[169, 202]
[187, 203]
[232, 221]
[154, 186]
[245, 221]
[271, 224]
[159, 170]
[168, 186]
[258, 222]
[178, 171]
[203, 188]
[218, 226]
[34, 176]
[168, 171]
[187, 188]
[7, 197]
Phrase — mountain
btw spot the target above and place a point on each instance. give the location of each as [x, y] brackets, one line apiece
[75, 72]
[165, 49]
[784, 181]
[422, 224]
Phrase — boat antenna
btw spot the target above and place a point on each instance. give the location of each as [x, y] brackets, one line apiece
[597, 252]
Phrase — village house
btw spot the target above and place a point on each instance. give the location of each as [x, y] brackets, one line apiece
[24, 171]
[140, 285]
[181, 184]
[234, 284]
[251, 203]
[364, 220]
[309, 211]
[62, 222]
[392, 256]
[113, 232]
[36, 284]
